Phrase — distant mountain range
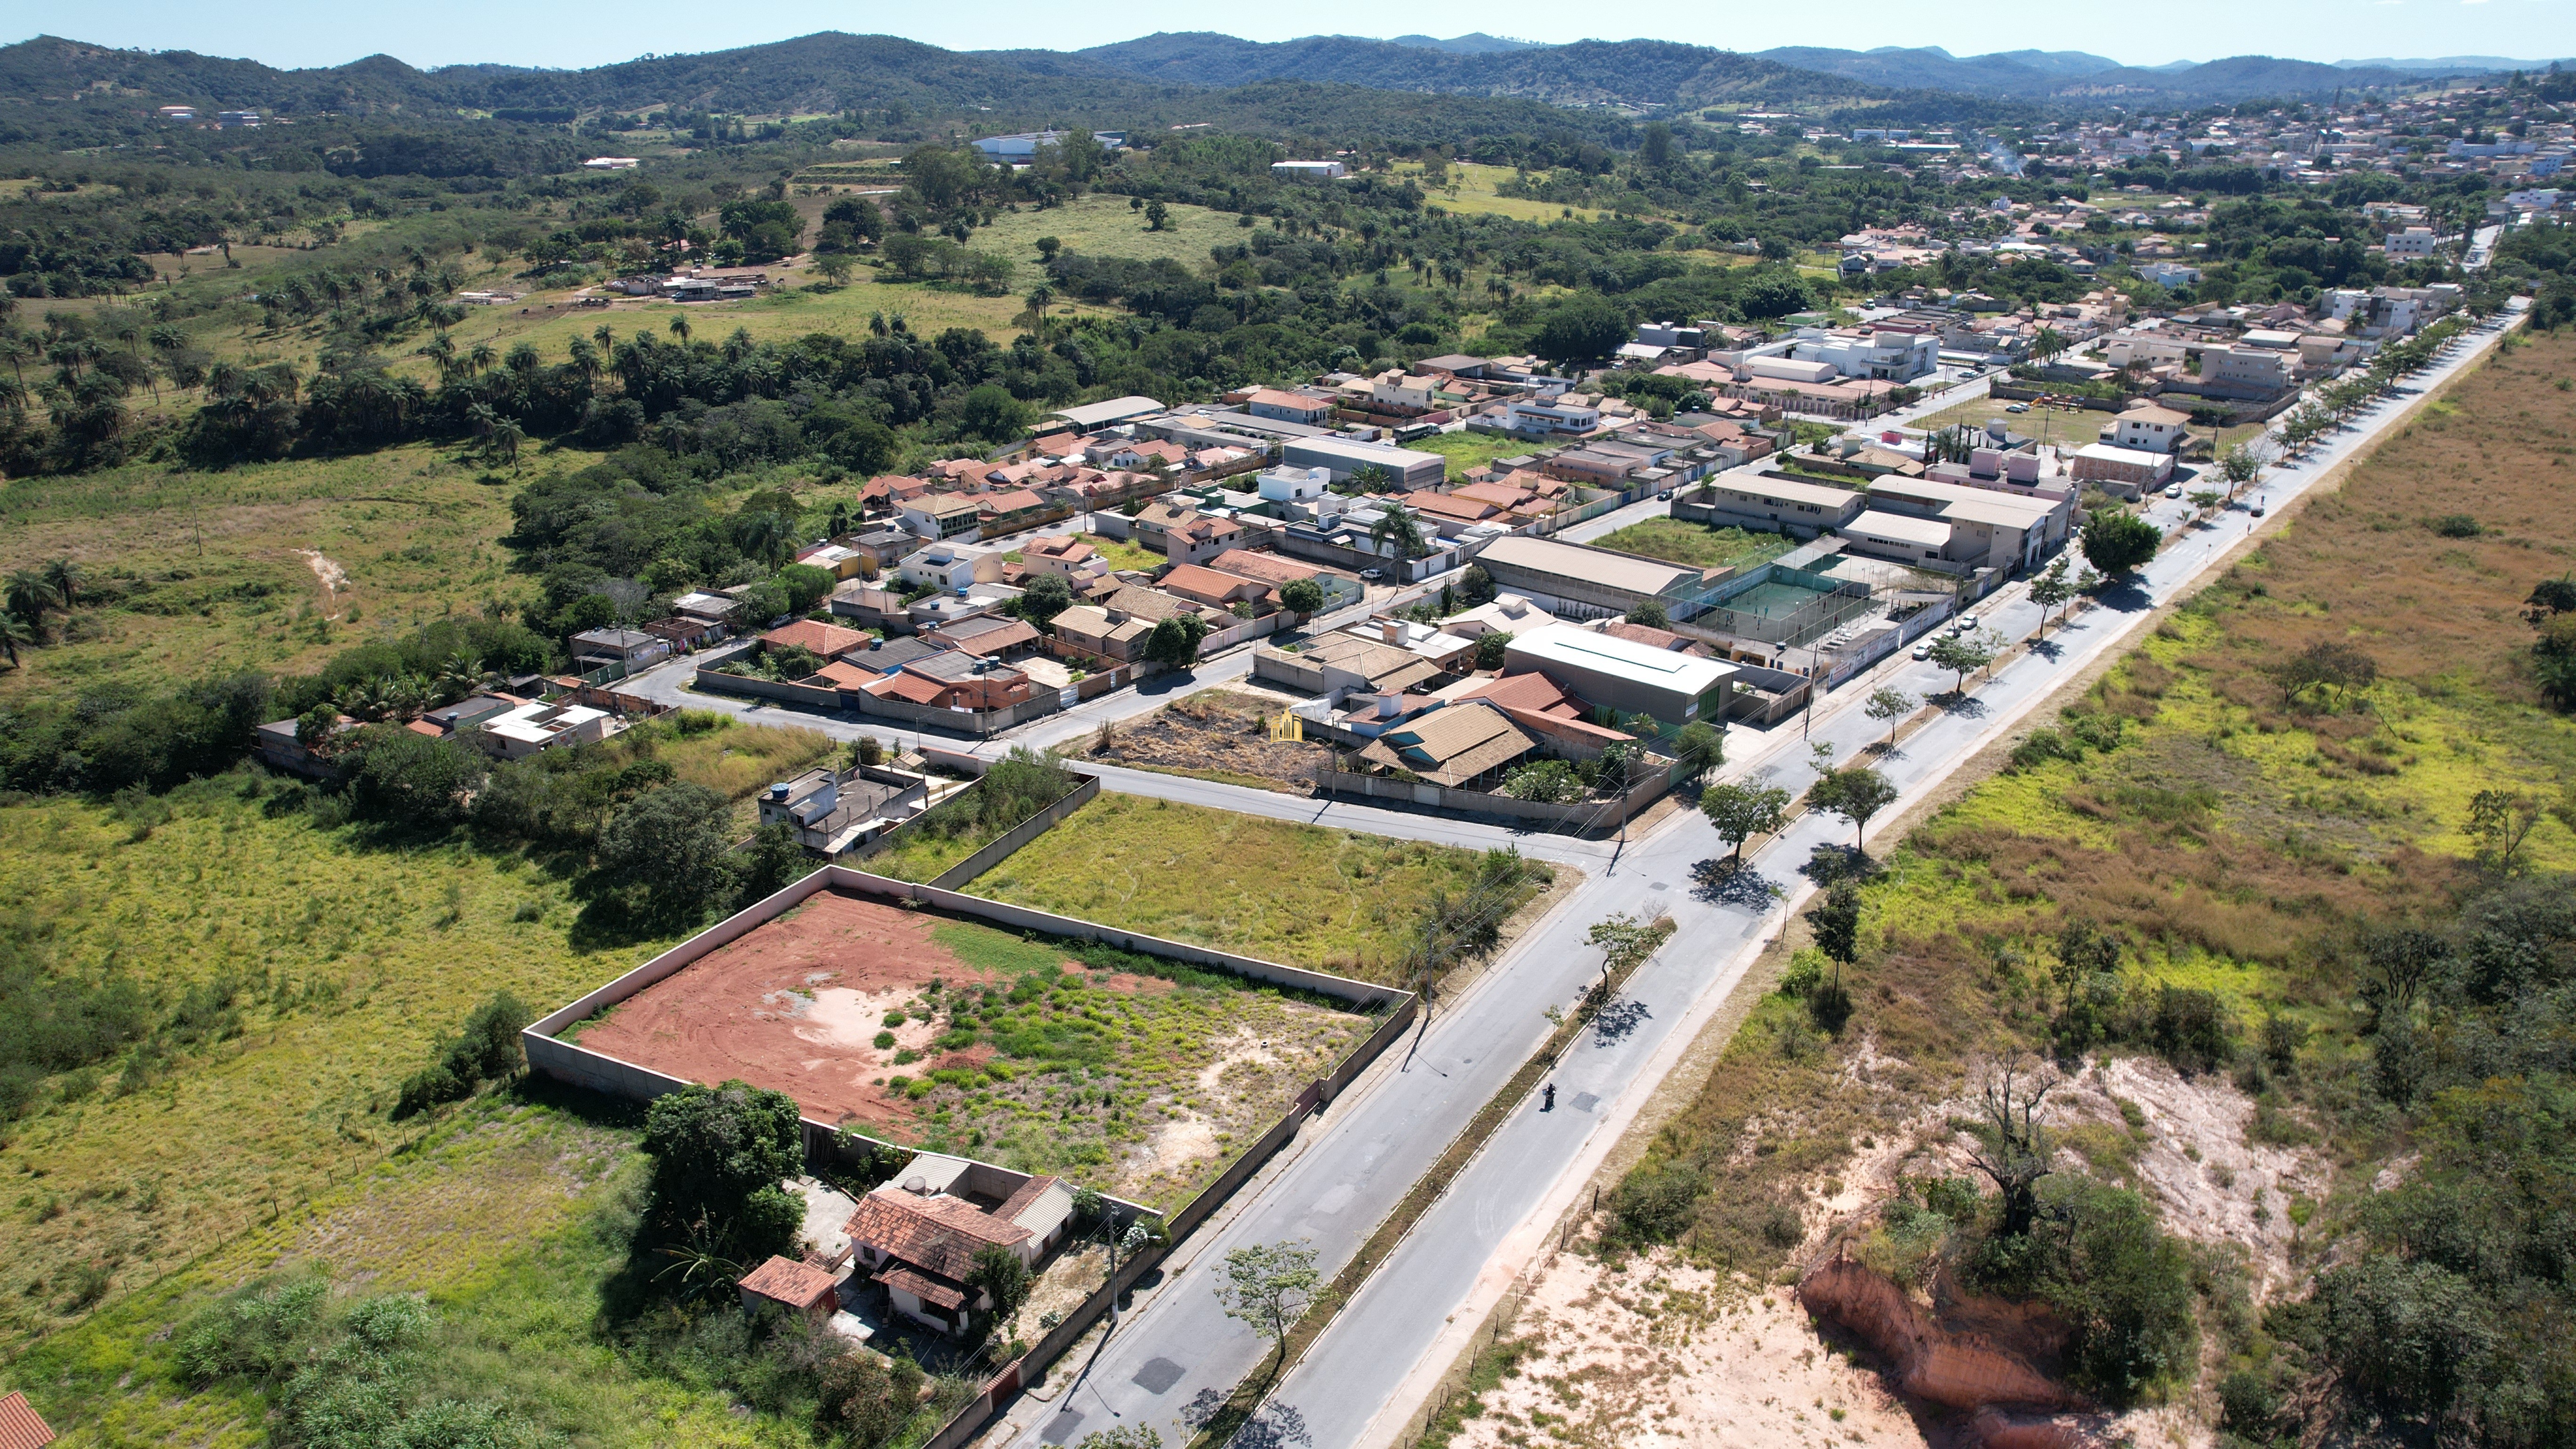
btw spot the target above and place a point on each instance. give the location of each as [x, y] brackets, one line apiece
[1162, 76]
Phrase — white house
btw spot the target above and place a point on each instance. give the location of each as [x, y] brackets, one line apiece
[2414, 241]
[2170, 275]
[1309, 170]
[2150, 428]
[951, 567]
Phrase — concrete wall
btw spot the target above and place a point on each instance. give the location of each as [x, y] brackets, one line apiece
[1584, 815]
[796, 694]
[993, 854]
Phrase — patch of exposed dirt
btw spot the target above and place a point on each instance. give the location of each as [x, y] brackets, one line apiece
[334, 579]
[1219, 733]
[1667, 1354]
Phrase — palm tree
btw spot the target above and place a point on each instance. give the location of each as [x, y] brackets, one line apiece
[442, 351]
[65, 578]
[479, 361]
[14, 636]
[680, 327]
[28, 594]
[506, 437]
[606, 337]
[1394, 528]
[17, 347]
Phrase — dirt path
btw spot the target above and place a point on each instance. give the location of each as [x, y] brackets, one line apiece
[333, 578]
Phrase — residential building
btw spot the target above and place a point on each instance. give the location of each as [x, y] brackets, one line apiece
[1894, 353]
[523, 731]
[1347, 663]
[1064, 556]
[598, 648]
[21, 1427]
[278, 747]
[990, 636]
[1458, 745]
[2122, 472]
[827, 641]
[1214, 589]
[1743, 498]
[797, 1289]
[2150, 429]
[918, 1235]
[2252, 372]
[1547, 417]
[2172, 276]
[2414, 241]
[882, 548]
[1507, 614]
[697, 604]
[1675, 689]
[1293, 485]
[950, 679]
[1102, 631]
[950, 567]
[1343, 457]
[833, 812]
[942, 515]
[1268, 402]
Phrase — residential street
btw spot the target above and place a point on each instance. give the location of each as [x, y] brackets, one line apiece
[1177, 1354]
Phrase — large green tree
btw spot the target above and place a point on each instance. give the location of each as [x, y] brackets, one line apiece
[720, 1158]
[2118, 541]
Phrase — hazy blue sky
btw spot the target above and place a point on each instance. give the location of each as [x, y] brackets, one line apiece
[589, 32]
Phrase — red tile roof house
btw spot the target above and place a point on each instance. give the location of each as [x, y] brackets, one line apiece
[21, 1427]
[1213, 588]
[797, 1288]
[918, 1235]
[824, 639]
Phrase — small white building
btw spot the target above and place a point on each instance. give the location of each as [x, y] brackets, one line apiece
[2122, 472]
[1309, 170]
[518, 733]
[611, 163]
[2151, 428]
[2414, 241]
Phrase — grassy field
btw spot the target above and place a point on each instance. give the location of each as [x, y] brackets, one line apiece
[212, 571]
[508, 1218]
[1468, 451]
[1695, 544]
[1471, 188]
[345, 963]
[1103, 225]
[1302, 895]
[1123, 554]
[350, 963]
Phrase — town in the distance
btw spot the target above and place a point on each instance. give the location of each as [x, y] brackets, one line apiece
[1341, 743]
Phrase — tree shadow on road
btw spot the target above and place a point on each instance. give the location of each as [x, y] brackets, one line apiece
[1272, 1426]
[2123, 596]
[1958, 702]
[1731, 882]
[1827, 864]
[1617, 1021]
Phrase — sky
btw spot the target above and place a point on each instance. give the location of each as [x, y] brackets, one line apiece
[572, 33]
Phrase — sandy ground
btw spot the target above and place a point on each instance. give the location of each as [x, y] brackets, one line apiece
[797, 1005]
[333, 579]
[1664, 1353]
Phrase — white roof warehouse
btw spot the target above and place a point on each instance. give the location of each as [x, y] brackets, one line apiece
[1632, 678]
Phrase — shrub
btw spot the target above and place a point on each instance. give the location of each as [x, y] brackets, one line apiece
[1654, 1204]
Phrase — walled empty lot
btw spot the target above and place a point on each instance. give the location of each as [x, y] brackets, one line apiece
[1305, 895]
[945, 1033]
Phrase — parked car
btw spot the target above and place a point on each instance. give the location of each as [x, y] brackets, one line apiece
[2019, 407]
[1923, 650]
[2173, 490]
[1967, 622]
[2258, 508]
[1372, 575]
[1666, 495]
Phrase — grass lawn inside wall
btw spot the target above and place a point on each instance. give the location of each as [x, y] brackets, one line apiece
[1302, 895]
[1697, 545]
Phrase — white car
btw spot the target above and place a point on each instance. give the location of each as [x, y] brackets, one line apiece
[1923, 650]
[2173, 490]
[1967, 624]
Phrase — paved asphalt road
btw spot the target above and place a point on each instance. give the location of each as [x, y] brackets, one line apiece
[1177, 1353]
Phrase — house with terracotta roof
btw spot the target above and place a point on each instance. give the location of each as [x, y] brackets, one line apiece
[784, 1285]
[824, 639]
[1064, 555]
[918, 1235]
[21, 1427]
[1199, 538]
[1215, 589]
